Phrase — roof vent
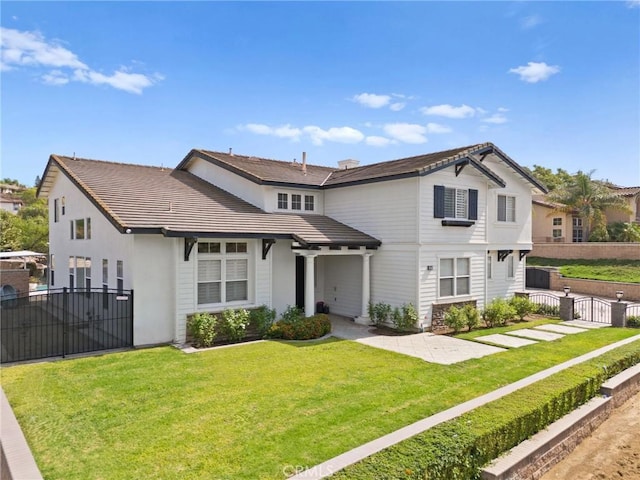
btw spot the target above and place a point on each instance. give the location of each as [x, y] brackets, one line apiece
[304, 162]
[231, 151]
[348, 163]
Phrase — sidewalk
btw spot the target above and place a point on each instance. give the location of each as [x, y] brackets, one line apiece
[335, 464]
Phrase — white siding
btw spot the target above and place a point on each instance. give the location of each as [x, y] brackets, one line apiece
[394, 274]
[385, 210]
[431, 229]
[284, 275]
[232, 183]
[499, 286]
[154, 301]
[343, 284]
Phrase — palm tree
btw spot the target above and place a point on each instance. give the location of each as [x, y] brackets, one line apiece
[588, 199]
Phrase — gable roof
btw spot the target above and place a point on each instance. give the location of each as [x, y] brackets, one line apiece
[274, 172]
[176, 203]
[626, 191]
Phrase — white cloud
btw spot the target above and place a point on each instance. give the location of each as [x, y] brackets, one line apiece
[406, 132]
[55, 77]
[372, 100]
[446, 110]
[633, 3]
[437, 128]
[496, 118]
[376, 141]
[32, 50]
[284, 131]
[531, 21]
[502, 109]
[334, 134]
[535, 72]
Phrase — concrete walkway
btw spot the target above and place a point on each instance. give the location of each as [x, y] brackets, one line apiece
[335, 464]
[427, 346]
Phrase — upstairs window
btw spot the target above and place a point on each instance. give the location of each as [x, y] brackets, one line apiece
[506, 208]
[455, 203]
[557, 221]
[80, 229]
[296, 202]
[283, 201]
[56, 210]
[309, 203]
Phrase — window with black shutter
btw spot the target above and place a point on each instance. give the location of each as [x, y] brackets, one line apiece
[457, 206]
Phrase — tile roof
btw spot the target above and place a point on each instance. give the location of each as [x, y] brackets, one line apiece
[262, 170]
[177, 203]
[627, 191]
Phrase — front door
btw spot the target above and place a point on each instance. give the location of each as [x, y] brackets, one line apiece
[300, 281]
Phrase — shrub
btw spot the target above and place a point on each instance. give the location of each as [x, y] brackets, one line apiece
[292, 314]
[633, 321]
[301, 329]
[454, 318]
[234, 323]
[381, 313]
[202, 327]
[548, 310]
[498, 312]
[405, 319]
[472, 316]
[522, 306]
[262, 317]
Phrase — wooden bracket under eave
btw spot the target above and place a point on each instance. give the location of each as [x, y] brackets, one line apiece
[189, 242]
[523, 253]
[267, 243]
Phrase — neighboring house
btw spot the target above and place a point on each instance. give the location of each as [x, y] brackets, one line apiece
[223, 230]
[10, 203]
[552, 226]
[9, 188]
[632, 197]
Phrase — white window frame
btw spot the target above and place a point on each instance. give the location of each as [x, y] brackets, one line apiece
[296, 201]
[229, 251]
[52, 270]
[557, 221]
[283, 201]
[556, 233]
[72, 272]
[509, 214]
[455, 277]
[56, 210]
[460, 203]
[309, 203]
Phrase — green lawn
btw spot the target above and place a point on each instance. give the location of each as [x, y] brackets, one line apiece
[245, 412]
[603, 269]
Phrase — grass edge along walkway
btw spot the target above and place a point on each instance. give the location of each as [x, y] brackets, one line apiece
[335, 464]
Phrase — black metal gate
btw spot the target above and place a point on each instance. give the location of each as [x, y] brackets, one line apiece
[63, 322]
[537, 278]
[592, 309]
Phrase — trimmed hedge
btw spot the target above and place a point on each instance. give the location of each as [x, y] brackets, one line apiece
[301, 329]
[459, 448]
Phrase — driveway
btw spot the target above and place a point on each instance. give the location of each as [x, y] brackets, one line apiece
[427, 346]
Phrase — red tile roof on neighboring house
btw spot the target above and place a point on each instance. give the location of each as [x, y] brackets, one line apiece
[627, 191]
[176, 203]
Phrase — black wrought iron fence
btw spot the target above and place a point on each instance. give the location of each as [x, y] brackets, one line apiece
[64, 322]
[548, 304]
[593, 309]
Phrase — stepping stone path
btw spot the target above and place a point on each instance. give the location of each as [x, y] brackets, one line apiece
[585, 324]
[552, 327]
[535, 334]
[506, 340]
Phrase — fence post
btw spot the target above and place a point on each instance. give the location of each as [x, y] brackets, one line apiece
[65, 319]
[567, 308]
[131, 315]
[619, 314]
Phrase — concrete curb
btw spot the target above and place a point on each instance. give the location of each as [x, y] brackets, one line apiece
[342, 461]
[17, 461]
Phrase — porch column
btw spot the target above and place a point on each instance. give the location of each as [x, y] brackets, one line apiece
[366, 285]
[309, 287]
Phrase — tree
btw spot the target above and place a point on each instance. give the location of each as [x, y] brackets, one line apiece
[29, 228]
[624, 232]
[589, 199]
[551, 180]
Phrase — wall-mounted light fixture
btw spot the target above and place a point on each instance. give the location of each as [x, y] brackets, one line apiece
[429, 267]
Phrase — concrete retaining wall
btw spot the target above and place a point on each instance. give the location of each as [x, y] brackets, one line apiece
[587, 250]
[596, 288]
[18, 279]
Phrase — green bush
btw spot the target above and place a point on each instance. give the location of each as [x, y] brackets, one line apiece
[548, 310]
[633, 321]
[624, 232]
[454, 318]
[459, 448]
[302, 328]
[498, 313]
[234, 323]
[262, 318]
[380, 313]
[405, 319]
[292, 314]
[522, 306]
[202, 327]
[472, 316]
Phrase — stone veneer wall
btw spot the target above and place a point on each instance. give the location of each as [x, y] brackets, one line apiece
[587, 250]
[18, 279]
[595, 287]
[438, 311]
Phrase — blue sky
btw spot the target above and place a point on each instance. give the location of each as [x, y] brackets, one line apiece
[553, 84]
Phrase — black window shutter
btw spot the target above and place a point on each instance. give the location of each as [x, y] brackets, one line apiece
[438, 201]
[473, 204]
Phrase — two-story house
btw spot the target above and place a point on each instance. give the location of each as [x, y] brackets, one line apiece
[225, 230]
